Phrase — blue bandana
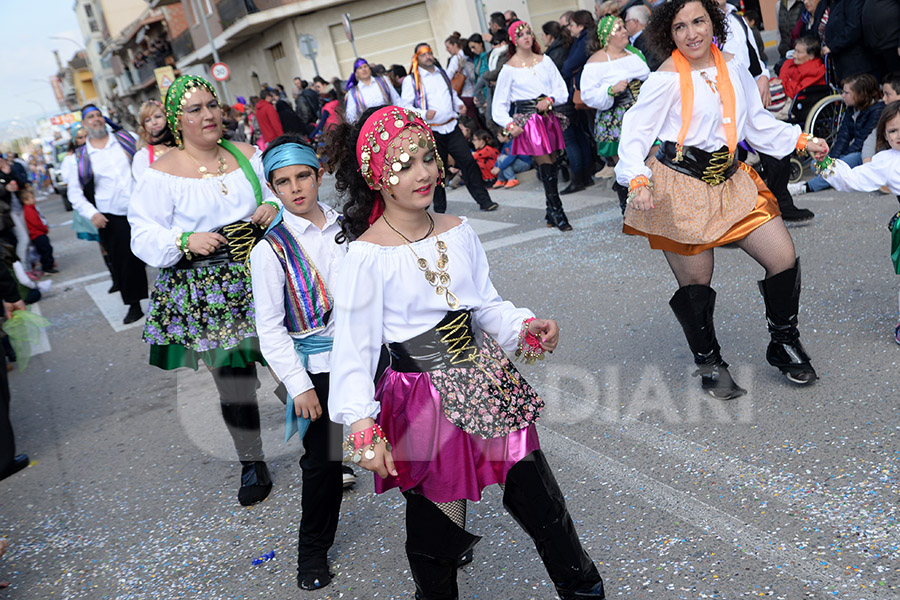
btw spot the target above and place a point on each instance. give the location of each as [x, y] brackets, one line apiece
[288, 154]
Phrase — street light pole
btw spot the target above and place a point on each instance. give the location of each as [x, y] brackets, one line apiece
[198, 10]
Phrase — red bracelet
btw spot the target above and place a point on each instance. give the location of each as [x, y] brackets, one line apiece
[530, 346]
[362, 443]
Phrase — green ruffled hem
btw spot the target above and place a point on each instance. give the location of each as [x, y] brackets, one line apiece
[174, 356]
[608, 148]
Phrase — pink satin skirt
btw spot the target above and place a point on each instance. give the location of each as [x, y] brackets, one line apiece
[542, 134]
[433, 456]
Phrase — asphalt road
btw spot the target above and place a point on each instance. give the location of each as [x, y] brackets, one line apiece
[787, 493]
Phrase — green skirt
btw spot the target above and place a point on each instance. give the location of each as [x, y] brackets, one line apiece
[174, 356]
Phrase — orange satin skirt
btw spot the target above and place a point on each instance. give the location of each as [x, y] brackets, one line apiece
[699, 215]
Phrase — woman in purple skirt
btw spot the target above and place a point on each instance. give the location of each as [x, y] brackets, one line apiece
[528, 87]
[451, 414]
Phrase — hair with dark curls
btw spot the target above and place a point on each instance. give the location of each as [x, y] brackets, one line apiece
[659, 29]
[340, 148]
[288, 138]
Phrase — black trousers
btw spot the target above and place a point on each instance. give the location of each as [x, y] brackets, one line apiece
[7, 441]
[128, 271]
[322, 485]
[454, 144]
[237, 396]
[44, 250]
[776, 174]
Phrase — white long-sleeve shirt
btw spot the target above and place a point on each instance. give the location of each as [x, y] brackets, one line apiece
[372, 95]
[526, 83]
[113, 182]
[598, 77]
[736, 41]
[381, 296]
[164, 206]
[657, 115]
[438, 96]
[884, 169]
[268, 278]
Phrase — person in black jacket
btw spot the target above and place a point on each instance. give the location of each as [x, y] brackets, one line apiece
[844, 39]
[556, 40]
[579, 145]
[10, 463]
[862, 95]
[881, 30]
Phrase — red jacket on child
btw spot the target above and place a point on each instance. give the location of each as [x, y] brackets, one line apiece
[486, 159]
[797, 77]
[35, 222]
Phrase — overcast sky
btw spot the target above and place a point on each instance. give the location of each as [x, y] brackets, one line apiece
[27, 54]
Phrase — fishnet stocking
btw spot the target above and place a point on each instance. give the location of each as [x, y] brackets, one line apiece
[455, 511]
[771, 246]
[691, 270]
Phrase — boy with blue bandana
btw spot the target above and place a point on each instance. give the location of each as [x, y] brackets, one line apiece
[291, 268]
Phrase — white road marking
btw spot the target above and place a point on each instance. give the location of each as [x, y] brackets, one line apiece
[77, 280]
[757, 543]
[484, 226]
[536, 234]
[111, 306]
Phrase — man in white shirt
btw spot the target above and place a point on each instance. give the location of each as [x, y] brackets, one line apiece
[366, 91]
[100, 190]
[427, 90]
[774, 171]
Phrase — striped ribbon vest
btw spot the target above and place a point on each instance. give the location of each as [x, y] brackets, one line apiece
[306, 297]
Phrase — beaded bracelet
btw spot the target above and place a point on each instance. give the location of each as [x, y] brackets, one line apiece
[610, 91]
[824, 167]
[530, 347]
[183, 243]
[273, 204]
[636, 184]
[356, 443]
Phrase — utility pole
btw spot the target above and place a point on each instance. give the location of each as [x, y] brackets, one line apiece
[198, 10]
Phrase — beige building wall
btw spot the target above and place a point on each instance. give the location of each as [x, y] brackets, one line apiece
[121, 13]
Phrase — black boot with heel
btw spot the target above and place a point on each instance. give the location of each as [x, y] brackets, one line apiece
[694, 307]
[781, 293]
[555, 215]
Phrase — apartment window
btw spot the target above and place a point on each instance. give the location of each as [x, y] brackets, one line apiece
[93, 25]
[88, 11]
[277, 51]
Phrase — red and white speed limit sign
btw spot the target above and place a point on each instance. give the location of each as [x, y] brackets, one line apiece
[220, 71]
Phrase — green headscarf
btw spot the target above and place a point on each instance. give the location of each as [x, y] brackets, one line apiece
[178, 95]
[605, 27]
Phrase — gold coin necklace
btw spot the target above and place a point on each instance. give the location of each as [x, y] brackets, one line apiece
[440, 279]
[205, 174]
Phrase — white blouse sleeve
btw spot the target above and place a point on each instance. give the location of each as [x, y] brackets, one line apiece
[267, 276]
[500, 103]
[359, 317]
[351, 109]
[395, 97]
[76, 194]
[642, 124]
[867, 177]
[499, 318]
[150, 213]
[764, 132]
[140, 163]
[595, 87]
[558, 90]
[257, 164]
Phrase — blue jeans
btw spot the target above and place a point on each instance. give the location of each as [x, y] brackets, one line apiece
[579, 145]
[818, 183]
[517, 166]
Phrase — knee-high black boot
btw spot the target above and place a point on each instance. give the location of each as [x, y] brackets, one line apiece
[237, 397]
[535, 501]
[555, 214]
[694, 306]
[781, 293]
[433, 545]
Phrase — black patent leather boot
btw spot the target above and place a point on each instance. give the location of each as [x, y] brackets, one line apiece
[550, 179]
[781, 293]
[694, 307]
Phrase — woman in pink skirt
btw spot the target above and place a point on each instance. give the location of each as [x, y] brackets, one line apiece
[528, 87]
[451, 415]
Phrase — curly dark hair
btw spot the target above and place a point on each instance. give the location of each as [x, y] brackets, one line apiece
[340, 148]
[291, 138]
[659, 29]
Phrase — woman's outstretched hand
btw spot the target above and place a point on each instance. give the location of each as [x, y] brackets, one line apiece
[643, 199]
[547, 331]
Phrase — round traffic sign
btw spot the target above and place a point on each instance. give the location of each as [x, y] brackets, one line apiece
[220, 71]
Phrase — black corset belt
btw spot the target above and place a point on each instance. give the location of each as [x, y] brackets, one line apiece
[444, 346]
[241, 237]
[712, 168]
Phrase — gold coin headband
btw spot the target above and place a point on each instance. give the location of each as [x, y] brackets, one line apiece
[177, 97]
[607, 26]
[379, 158]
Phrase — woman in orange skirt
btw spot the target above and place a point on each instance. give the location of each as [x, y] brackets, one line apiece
[694, 195]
